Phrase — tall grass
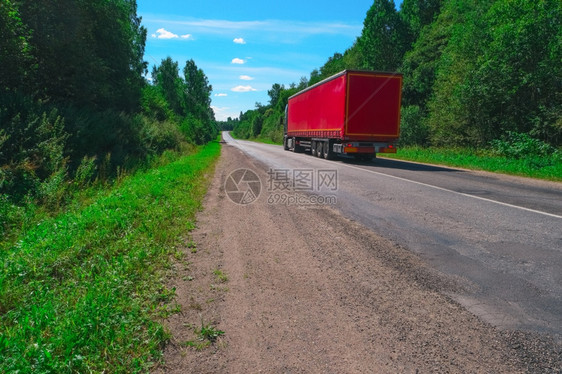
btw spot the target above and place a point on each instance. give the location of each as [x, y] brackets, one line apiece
[547, 167]
[82, 291]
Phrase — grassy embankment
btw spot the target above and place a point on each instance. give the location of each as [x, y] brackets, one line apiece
[540, 167]
[84, 291]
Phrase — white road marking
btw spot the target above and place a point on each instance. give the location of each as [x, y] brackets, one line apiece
[458, 193]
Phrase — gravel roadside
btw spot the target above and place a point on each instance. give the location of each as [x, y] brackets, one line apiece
[304, 290]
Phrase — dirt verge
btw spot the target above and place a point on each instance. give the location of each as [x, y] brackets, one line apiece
[304, 290]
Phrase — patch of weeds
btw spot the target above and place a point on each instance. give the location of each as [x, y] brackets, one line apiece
[206, 335]
[178, 255]
[198, 345]
[220, 276]
[166, 311]
[165, 295]
[214, 287]
[192, 246]
[209, 333]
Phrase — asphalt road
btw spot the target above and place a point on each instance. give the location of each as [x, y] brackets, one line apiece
[500, 237]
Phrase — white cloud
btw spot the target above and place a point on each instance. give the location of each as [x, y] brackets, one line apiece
[243, 89]
[222, 113]
[164, 34]
[221, 95]
[246, 78]
[238, 61]
[239, 41]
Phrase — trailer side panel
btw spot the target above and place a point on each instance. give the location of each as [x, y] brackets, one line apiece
[320, 111]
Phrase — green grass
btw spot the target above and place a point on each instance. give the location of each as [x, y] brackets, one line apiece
[220, 276]
[209, 332]
[84, 291]
[206, 335]
[549, 168]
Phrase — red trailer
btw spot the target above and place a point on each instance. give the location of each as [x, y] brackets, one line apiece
[351, 113]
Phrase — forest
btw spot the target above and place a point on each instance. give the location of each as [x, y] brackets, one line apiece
[75, 102]
[102, 170]
[477, 74]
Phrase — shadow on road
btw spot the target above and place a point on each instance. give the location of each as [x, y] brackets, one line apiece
[402, 165]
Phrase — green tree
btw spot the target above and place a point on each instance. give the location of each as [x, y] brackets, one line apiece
[197, 88]
[419, 69]
[197, 92]
[418, 13]
[334, 65]
[516, 83]
[420, 63]
[352, 58]
[449, 114]
[166, 77]
[498, 73]
[383, 40]
[275, 93]
[102, 43]
[15, 53]
[315, 77]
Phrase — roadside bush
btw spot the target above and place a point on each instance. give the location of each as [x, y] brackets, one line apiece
[413, 130]
[521, 145]
[534, 154]
[242, 130]
[159, 136]
[127, 138]
[32, 146]
[43, 148]
[5, 208]
[272, 129]
[154, 104]
[194, 130]
[85, 173]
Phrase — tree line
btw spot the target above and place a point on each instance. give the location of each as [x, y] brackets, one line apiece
[75, 103]
[475, 71]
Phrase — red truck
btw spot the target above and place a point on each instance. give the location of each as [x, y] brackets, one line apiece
[354, 113]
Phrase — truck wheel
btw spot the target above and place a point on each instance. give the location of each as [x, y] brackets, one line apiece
[328, 153]
[319, 149]
[285, 145]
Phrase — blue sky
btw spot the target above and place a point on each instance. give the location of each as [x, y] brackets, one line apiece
[246, 46]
